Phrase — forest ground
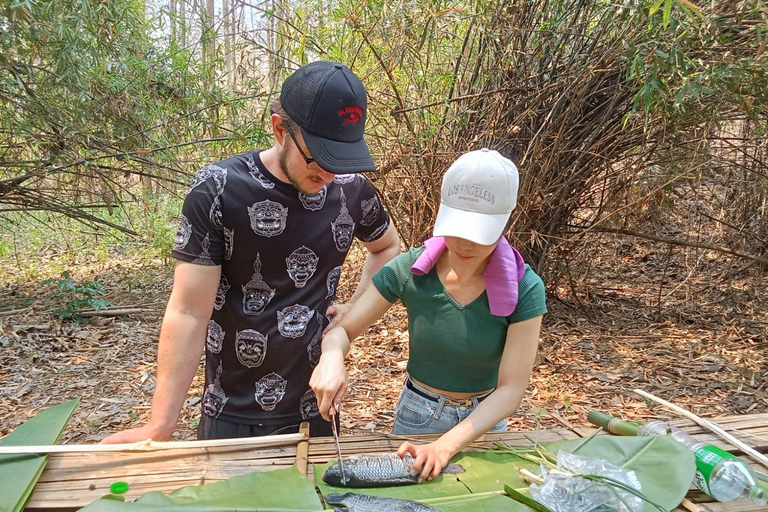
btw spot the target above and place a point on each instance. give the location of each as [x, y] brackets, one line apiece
[683, 324]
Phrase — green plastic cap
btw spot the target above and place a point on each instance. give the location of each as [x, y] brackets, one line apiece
[118, 487]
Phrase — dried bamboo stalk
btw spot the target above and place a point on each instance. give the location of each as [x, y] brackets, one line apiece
[689, 505]
[150, 445]
[714, 427]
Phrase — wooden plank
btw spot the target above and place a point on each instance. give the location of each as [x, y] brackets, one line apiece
[72, 481]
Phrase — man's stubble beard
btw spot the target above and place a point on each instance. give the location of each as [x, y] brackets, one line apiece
[283, 161]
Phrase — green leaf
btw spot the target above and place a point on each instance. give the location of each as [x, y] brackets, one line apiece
[281, 490]
[525, 499]
[19, 3]
[663, 466]
[655, 7]
[667, 12]
[680, 96]
[19, 473]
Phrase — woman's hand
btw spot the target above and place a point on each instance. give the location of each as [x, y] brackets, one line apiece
[430, 458]
[329, 382]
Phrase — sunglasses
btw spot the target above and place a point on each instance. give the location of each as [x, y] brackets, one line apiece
[301, 151]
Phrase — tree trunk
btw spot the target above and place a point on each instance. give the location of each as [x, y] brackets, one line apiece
[273, 47]
[182, 5]
[172, 12]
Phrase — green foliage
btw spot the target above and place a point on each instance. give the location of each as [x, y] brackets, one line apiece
[79, 297]
[96, 106]
[19, 474]
[105, 112]
[692, 63]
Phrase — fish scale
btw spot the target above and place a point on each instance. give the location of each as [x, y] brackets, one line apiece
[351, 502]
[377, 470]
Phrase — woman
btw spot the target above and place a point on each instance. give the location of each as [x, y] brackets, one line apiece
[474, 315]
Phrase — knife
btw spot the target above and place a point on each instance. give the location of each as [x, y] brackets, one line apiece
[338, 448]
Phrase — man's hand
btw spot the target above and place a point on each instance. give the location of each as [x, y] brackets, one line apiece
[329, 382]
[135, 435]
[336, 312]
[430, 458]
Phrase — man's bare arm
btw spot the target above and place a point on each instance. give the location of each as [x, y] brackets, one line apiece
[182, 340]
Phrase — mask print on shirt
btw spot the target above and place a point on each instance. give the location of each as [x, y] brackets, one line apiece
[302, 264]
[221, 293]
[343, 227]
[314, 202]
[229, 242]
[268, 218]
[251, 347]
[270, 390]
[377, 233]
[205, 256]
[214, 341]
[256, 173]
[214, 398]
[332, 281]
[313, 349]
[183, 234]
[215, 214]
[256, 293]
[308, 405]
[343, 179]
[219, 175]
[371, 208]
[292, 321]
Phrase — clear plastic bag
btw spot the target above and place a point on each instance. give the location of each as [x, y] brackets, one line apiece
[562, 491]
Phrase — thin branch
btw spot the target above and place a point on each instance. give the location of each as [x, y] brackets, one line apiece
[710, 425]
[672, 241]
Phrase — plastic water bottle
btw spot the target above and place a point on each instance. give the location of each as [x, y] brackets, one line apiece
[720, 474]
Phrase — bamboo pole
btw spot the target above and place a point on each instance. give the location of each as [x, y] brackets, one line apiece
[714, 427]
[150, 445]
[302, 449]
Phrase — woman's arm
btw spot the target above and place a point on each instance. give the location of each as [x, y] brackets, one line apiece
[380, 252]
[514, 373]
[329, 379]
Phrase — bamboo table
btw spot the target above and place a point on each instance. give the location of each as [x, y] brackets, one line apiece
[73, 480]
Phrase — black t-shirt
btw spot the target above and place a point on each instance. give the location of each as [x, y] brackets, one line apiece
[281, 254]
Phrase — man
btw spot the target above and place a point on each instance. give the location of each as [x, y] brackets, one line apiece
[260, 246]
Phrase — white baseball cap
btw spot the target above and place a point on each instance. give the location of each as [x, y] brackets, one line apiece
[478, 195]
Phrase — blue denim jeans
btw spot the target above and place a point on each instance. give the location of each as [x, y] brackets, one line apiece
[416, 414]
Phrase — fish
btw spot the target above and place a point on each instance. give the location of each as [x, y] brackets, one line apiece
[351, 502]
[377, 470]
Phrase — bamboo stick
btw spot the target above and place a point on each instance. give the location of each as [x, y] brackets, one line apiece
[689, 505]
[302, 450]
[150, 445]
[714, 427]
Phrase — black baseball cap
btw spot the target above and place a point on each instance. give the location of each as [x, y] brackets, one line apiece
[329, 104]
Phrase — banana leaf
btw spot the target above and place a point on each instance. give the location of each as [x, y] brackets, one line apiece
[19, 473]
[281, 490]
[664, 467]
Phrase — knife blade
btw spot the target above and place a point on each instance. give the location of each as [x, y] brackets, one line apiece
[338, 448]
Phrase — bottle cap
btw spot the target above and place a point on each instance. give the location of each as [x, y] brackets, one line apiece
[118, 487]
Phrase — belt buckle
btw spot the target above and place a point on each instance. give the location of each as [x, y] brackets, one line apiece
[458, 403]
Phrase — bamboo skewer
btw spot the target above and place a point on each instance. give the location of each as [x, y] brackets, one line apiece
[150, 445]
[714, 427]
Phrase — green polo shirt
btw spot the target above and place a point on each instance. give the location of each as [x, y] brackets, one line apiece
[453, 347]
